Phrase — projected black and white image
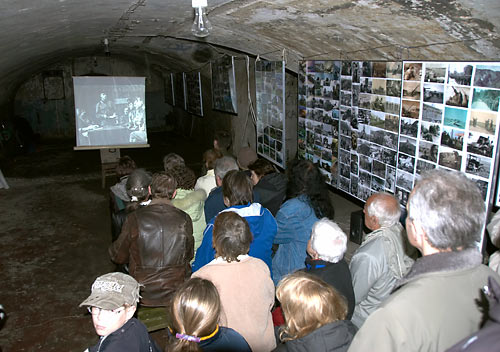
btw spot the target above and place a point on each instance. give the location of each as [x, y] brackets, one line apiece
[110, 111]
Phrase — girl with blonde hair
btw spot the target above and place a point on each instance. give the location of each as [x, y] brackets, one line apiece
[195, 315]
[314, 315]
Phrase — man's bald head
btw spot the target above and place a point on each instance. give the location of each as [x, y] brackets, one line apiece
[384, 210]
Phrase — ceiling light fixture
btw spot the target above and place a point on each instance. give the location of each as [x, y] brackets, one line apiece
[201, 25]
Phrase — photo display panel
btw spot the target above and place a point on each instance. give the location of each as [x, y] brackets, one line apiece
[318, 129]
[224, 85]
[449, 119]
[194, 101]
[270, 104]
[369, 125]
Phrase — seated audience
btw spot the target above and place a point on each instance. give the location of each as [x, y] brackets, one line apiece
[308, 201]
[214, 203]
[244, 282]
[436, 303]
[157, 242]
[246, 156]
[327, 246]
[494, 232]
[189, 200]
[112, 304]
[137, 188]
[171, 160]
[314, 315]
[120, 198]
[237, 192]
[269, 184]
[195, 312]
[223, 142]
[207, 182]
[382, 258]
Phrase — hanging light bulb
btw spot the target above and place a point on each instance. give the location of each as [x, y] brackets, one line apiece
[201, 25]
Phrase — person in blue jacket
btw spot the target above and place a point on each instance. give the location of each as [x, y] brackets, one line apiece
[308, 201]
[237, 191]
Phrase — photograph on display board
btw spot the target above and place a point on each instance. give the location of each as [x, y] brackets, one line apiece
[435, 72]
[487, 76]
[459, 73]
[457, 125]
[270, 106]
[457, 96]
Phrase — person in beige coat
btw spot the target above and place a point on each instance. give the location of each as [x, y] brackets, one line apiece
[436, 304]
[244, 283]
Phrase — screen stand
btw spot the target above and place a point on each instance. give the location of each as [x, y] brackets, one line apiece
[109, 162]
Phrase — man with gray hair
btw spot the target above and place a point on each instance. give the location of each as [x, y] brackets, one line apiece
[214, 203]
[381, 259]
[326, 248]
[436, 304]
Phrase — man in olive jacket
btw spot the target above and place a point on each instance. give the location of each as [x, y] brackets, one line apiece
[157, 243]
[436, 304]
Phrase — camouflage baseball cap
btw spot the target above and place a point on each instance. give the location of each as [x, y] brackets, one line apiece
[113, 290]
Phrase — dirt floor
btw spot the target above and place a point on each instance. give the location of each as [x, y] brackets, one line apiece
[55, 231]
[54, 235]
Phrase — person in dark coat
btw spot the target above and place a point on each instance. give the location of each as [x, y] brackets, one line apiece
[269, 183]
[488, 337]
[314, 315]
[195, 313]
[327, 247]
[112, 304]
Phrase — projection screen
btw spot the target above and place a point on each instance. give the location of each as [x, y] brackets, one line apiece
[110, 112]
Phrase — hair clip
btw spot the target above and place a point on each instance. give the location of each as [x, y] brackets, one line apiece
[187, 337]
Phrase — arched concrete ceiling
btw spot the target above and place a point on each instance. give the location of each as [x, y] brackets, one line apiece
[36, 33]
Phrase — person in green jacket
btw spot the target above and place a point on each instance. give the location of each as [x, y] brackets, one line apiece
[190, 200]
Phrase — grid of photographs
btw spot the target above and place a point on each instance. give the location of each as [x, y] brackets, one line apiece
[448, 120]
[318, 129]
[194, 102]
[369, 125]
[270, 99]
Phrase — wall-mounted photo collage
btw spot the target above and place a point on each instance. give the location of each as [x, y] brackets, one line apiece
[369, 125]
[318, 129]
[387, 122]
[449, 120]
[270, 105]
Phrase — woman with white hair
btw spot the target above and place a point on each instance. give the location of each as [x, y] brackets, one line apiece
[329, 243]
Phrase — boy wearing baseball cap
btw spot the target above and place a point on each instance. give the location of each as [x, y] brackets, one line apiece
[112, 303]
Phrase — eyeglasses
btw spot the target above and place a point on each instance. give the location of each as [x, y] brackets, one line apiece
[97, 311]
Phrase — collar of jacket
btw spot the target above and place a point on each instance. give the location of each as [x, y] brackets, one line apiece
[251, 209]
[160, 201]
[442, 262]
[375, 233]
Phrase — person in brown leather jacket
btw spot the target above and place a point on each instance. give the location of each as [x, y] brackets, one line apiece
[157, 242]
